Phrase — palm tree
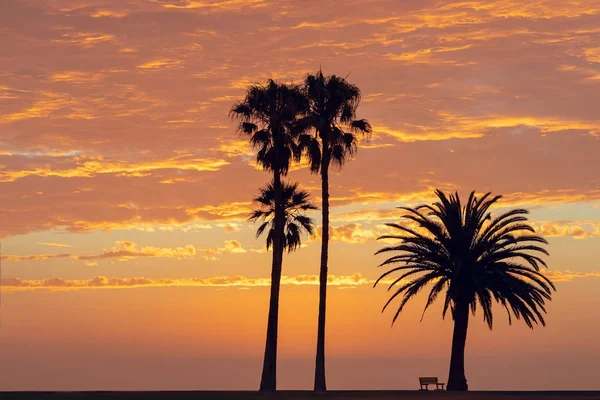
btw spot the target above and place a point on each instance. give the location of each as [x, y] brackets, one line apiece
[475, 259]
[332, 103]
[295, 204]
[267, 117]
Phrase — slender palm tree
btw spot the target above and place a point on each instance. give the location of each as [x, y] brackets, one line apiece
[267, 118]
[332, 104]
[475, 259]
[295, 204]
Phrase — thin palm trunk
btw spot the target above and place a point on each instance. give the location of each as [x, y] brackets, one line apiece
[456, 376]
[268, 381]
[320, 384]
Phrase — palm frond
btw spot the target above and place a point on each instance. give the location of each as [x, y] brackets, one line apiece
[476, 259]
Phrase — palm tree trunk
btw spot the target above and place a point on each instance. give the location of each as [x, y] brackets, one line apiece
[268, 381]
[456, 376]
[320, 385]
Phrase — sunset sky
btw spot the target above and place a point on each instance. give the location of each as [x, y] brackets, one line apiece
[127, 261]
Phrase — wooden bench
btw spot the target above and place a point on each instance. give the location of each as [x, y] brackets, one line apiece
[430, 380]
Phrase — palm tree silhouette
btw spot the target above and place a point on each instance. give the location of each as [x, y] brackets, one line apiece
[295, 204]
[267, 117]
[475, 259]
[332, 103]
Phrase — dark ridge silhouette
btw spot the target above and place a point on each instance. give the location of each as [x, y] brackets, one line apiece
[299, 395]
[473, 257]
[331, 115]
[267, 118]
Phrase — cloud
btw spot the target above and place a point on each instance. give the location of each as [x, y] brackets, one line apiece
[574, 229]
[238, 281]
[86, 39]
[229, 247]
[55, 244]
[353, 233]
[212, 4]
[123, 251]
[92, 166]
[102, 282]
[566, 276]
[161, 64]
[230, 227]
[108, 13]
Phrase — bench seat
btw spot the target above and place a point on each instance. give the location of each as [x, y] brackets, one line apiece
[430, 380]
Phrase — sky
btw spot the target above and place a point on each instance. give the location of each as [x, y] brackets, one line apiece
[127, 261]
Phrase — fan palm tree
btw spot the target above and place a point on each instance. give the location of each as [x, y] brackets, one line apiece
[473, 259]
[295, 204]
[267, 118]
[332, 104]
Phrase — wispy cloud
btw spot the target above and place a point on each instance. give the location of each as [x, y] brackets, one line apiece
[89, 167]
[55, 244]
[123, 251]
[342, 281]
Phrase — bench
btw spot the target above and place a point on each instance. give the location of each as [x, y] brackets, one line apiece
[430, 380]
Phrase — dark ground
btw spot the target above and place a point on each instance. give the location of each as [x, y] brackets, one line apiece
[301, 395]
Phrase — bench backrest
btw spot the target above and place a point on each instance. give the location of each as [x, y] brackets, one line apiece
[429, 380]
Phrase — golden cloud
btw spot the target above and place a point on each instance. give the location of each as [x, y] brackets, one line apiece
[235, 211]
[218, 4]
[41, 108]
[102, 282]
[161, 64]
[230, 226]
[94, 166]
[426, 56]
[108, 13]
[55, 244]
[353, 233]
[574, 229]
[76, 77]
[566, 276]
[85, 39]
[230, 247]
[123, 251]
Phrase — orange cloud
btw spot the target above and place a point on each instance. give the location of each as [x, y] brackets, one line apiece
[41, 108]
[90, 166]
[575, 229]
[108, 13]
[230, 247]
[123, 251]
[566, 276]
[161, 64]
[102, 282]
[349, 233]
[76, 76]
[230, 226]
[219, 4]
[86, 39]
[55, 244]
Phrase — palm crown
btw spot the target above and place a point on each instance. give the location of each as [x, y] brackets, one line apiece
[295, 204]
[477, 259]
[332, 103]
[267, 117]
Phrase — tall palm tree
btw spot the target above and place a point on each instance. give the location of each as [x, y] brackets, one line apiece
[332, 104]
[295, 204]
[473, 257]
[267, 118]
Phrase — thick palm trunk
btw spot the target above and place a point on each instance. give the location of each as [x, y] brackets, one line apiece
[320, 385]
[456, 376]
[268, 381]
